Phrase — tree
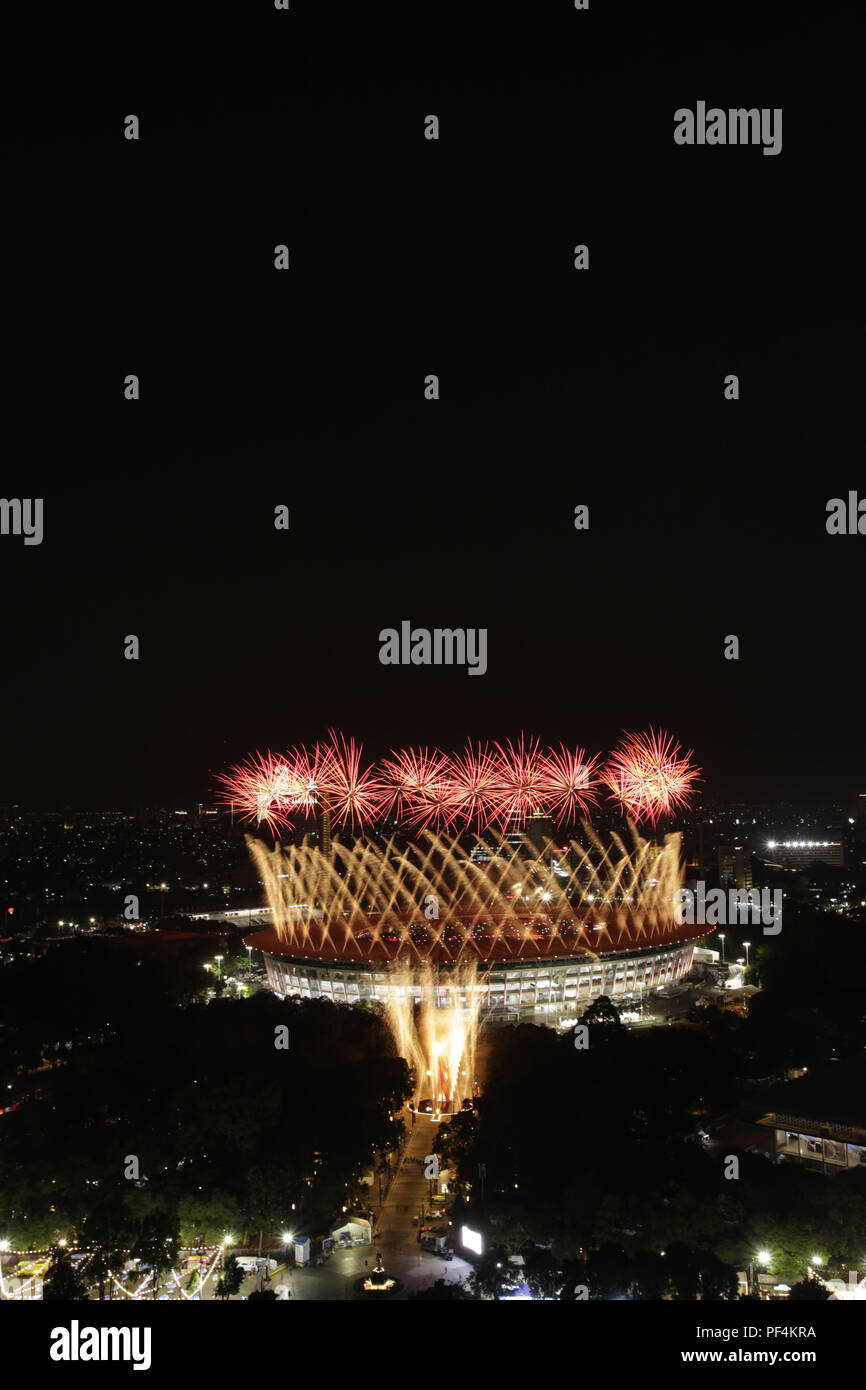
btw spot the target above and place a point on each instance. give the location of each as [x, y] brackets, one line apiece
[493, 1274]
[62, 1281]
[810, 1290]
[107, 1232]
[262, 1294]
[210, 1215]
[607, 1272]
[157, 1245]
[649, 1275]
[231, 1278]
[542, 1273]
[603, 1013]
[683, 1266]
[792, 1237]
[444, 1291]
[716, 1279]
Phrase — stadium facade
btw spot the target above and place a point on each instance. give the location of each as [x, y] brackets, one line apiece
[528, 982]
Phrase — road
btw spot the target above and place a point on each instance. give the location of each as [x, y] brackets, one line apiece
[395, 1236]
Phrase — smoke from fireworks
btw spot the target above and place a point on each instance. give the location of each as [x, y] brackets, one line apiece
[647, 774]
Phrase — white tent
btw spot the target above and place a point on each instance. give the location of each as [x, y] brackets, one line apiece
[355, 1228]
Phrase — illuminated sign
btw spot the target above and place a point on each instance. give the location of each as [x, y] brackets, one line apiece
[472, 1240]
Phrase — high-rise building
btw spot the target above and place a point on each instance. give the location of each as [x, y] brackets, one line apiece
[735, 866]
[326, 829]
[539, 829]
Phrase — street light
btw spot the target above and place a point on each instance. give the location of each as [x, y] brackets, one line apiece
[722, 939]
[762, 1258]
[747, 944]
[219, 960]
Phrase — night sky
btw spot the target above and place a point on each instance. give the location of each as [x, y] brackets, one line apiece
[558, 387]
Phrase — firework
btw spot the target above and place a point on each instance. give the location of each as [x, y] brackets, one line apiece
[570, 782]
[419, 785]
[308, 771]
[475, 778]
[650, 775]
[520, 787]
[486, 787]
[351, 794]
[261, 789]
[270, 789]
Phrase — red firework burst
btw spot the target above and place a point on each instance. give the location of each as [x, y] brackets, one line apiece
[263, 788]
[519, 780]
[352, 794]
[419, 785]
[647, 773]
[475, 785]
[308, 772]
[650, 775]
[570, 782]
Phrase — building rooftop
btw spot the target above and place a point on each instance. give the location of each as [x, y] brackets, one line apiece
[526, 940]
[827, 1098]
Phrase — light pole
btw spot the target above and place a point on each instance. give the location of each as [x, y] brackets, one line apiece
[747, 944]
[722, 939]
[762, 1258]
[219, 961]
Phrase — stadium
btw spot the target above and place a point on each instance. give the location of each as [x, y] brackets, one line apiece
[511, 929]
[534, 978]
[444, 930]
